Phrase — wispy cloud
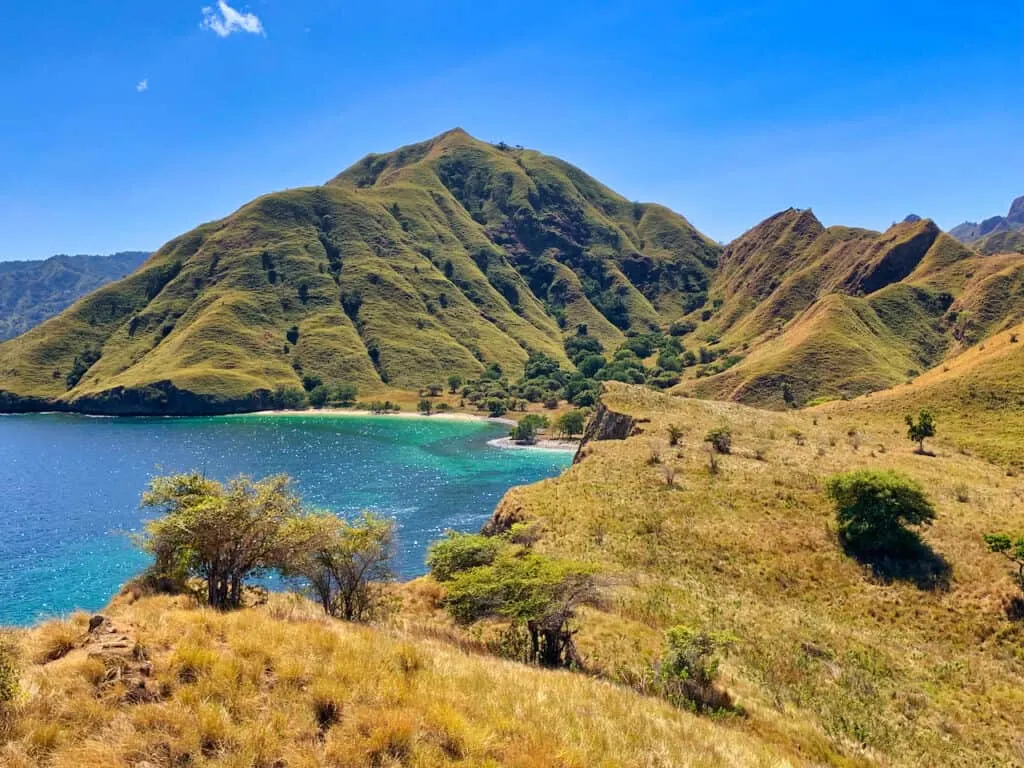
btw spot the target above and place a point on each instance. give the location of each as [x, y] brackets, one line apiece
[225, 20]
[142, 86]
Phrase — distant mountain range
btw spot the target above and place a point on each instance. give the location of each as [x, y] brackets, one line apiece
[33, 291]
[447, 256]
[998, 234]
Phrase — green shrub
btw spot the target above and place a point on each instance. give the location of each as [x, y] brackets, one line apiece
[720, 439]
[874, 506]
[1011, 549]
[459, 552]
[571, 423]
[687, 672]
[526, 430]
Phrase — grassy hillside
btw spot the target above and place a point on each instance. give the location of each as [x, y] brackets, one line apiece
[832, 662]
[32, 291]
[1001, 242]
[800, 312]
[978, 398]
[848, 666]
[439, 258]
[163, 684]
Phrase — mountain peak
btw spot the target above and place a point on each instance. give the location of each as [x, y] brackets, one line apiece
[1016, 214]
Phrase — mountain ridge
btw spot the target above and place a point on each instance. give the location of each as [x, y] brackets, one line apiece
[34, 290]
[486, 252]
[452, 255]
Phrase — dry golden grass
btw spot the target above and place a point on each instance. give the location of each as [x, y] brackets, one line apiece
[279, 685]
[840, 664]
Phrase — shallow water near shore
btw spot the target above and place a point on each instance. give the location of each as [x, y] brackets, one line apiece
[70, 486]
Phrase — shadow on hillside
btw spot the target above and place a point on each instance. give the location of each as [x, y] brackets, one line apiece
[911, 561]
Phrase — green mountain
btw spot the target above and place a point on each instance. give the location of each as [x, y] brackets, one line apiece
[799, 312]
[32, 291]
[441, 257]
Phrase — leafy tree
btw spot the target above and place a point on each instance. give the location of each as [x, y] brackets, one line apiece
[590, 365]
[585, 399]
[918, 430]
[318, 396]
[526, 430]
[309, 383]
[496, 407]
[1011, 549]
[571, 423]
[874, 506]
[687, 672]
[541, 366]
[292, 334]
[720, 439]
[459, 552]
[425, 407]
[344, 563]
[531, 590]
[289, 398]
[581, 346]
[434, 389]
[221, 533]
[454, 382]
[346, 394]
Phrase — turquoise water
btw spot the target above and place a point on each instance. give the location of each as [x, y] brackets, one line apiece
[70, 486]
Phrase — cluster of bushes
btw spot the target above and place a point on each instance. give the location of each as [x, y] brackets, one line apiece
[502, 577]
[335, 395]
[225, 535]
[545, 381]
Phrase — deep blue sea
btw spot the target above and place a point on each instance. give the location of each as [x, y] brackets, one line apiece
[70, 487]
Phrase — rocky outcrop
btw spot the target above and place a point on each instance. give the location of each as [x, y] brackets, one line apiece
[508, 512]
[606, 424]
[163, 398]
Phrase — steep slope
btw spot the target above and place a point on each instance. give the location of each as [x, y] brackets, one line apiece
[439, 258]
[32, 291]
[919, 668]
[801, 312]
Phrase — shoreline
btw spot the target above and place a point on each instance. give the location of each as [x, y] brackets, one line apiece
[507, 443]
[362, 412]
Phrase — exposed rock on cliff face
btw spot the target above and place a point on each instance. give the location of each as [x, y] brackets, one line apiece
[606, 424]
[508, 512]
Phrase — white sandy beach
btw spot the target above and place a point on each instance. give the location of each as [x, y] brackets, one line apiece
[500, 442]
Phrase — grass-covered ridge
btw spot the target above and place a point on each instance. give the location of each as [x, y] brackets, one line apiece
[436, 259]
[799, 312]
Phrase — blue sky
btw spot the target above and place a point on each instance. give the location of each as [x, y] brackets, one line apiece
[124, 123]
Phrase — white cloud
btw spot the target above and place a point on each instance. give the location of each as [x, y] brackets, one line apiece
[225, 20]
[142, 86]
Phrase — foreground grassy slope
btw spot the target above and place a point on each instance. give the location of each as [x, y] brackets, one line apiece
[279, 685]
[438, 258]
[803, 312]
[849, 667]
